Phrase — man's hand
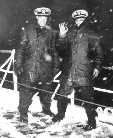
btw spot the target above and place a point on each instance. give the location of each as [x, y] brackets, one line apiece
[63, 29]
[95, 73]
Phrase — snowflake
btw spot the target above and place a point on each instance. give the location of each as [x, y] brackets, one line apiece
[111, 10]
[26, 21]
[95, 21]
[23, 28]
[93, 13]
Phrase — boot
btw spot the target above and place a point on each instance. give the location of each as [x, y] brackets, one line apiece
[91, 124]
[24, 119]
[48, 112]
[91, 114]
[89, 127]
[58, 117]
[62, 105]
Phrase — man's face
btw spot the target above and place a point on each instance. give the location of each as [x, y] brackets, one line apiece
[41, 20]
[79, 21]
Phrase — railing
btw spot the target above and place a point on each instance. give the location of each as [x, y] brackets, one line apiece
[6, 66]
[10, 61]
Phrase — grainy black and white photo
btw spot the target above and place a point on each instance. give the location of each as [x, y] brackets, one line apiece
[56, 68]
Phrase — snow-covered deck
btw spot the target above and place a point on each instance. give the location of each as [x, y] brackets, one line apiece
[40, 125]
[9, 124]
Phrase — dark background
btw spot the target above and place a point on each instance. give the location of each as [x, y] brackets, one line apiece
[14, 13]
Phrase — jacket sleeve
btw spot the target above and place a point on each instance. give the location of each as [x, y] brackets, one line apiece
[19, 56]
[97, 49]
[55, 53]
[62, 43]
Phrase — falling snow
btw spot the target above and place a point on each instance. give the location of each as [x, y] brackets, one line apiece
[13, 15]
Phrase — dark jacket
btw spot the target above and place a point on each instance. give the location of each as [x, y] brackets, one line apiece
[86, 54]
[37, 56]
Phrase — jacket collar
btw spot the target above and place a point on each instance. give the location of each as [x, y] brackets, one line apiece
[39, 27]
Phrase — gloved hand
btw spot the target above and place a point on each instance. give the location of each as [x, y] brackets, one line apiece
[95, 73]
[69, 82]
[63, 29]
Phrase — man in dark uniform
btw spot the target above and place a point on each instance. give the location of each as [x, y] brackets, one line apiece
[36, 63]
[86, 58]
